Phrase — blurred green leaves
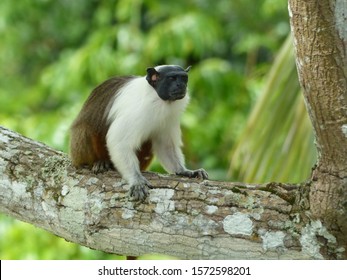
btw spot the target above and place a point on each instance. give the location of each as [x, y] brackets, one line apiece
[23, 241]
[194, 34]
[54, 52]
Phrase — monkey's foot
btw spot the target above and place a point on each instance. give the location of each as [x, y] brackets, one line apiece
[199, 173]
[140, 190]
[102, 166]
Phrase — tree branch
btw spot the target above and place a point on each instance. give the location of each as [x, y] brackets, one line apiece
[185, 218]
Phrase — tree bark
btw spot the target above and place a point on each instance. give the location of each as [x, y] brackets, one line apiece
[320, 40]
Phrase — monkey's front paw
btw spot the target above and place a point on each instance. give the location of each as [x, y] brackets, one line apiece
[199, 173]
[139, 191]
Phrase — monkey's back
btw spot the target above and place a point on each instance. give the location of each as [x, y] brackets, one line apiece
[88, 131]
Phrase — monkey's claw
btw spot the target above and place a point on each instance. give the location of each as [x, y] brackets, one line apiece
[139, 192]
[199, 173]
[102, 166]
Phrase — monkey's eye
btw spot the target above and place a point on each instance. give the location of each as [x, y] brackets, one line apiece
[172, 78]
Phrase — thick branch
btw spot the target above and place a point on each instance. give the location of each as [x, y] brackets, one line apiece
[184, 218]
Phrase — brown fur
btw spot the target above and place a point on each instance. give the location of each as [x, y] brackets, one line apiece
[88, 131]
[145, 155]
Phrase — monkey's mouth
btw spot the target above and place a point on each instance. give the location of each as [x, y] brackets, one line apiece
[177, 95]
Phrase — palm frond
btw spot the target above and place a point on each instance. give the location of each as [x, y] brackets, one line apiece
[277, 142]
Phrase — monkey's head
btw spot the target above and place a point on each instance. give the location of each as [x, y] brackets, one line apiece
[169, 81]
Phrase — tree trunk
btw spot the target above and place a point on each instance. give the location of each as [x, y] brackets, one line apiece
[320, 39]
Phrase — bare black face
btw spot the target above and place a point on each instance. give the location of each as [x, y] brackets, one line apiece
[169, 81]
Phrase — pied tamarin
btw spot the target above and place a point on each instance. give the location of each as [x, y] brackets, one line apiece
[127, 119]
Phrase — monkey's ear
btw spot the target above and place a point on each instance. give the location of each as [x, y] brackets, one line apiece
[188, 68]
[152, 76]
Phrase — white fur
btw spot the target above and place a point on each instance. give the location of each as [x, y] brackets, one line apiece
[136, 115]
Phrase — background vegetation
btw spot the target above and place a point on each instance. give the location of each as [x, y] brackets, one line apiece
[246, 120]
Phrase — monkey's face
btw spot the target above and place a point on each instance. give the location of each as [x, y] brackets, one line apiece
[170, 82]
[173, 86]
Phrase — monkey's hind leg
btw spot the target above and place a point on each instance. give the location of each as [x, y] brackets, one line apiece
[102, 162]
[145, 155]
[88, 148]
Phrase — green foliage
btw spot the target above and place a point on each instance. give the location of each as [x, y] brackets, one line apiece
[24, 241]
[53, 53]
